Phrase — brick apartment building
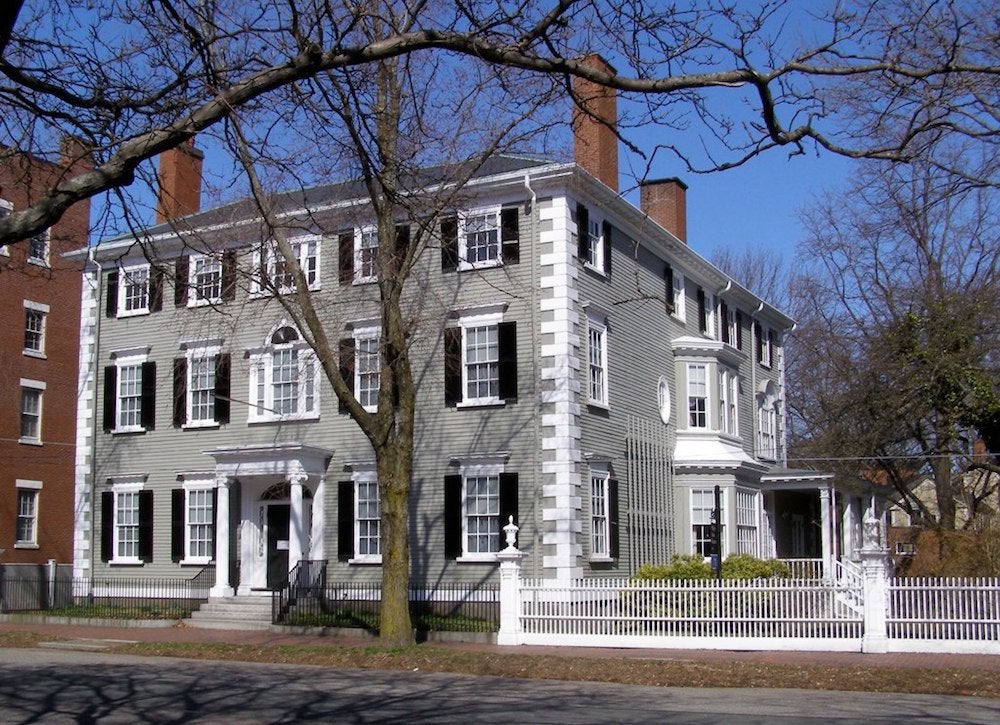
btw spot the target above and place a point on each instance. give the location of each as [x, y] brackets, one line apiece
[39, 363]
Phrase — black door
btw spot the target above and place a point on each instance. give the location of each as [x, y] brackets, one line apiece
[277, 545]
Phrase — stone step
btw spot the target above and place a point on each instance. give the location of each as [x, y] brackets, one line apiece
[246, 613]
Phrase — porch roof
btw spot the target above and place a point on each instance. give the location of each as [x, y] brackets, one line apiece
[795, 478]
[281, 459]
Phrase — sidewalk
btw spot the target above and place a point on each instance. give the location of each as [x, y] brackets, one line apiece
[183, 634]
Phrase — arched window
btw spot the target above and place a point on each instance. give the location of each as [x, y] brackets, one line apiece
[767, 423]
[284, 379]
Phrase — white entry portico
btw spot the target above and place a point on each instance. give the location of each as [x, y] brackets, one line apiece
[265, 519]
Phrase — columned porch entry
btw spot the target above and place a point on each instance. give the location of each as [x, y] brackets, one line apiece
[269, 514]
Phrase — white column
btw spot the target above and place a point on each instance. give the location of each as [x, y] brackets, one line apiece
[296, 530]
[847, 525]
[318, 521]
[222, 587]
[825, 521]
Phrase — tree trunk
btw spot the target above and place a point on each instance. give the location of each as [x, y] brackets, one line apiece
[394, 464]
[945, 493]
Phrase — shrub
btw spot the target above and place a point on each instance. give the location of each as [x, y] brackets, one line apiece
[744, 566]
[692, 566]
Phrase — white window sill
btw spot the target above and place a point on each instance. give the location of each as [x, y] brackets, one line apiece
[35, 353]
[25, 545]
[284, 419]
[598, 404]
[133, 313]
[201, 302]
[366, 560]
[598, 270]
[466, 266]
[37, 262]
[128, 429]
[130, 561]
[197, 561]
[485, 558]
[482, 403]
[678, 315]
[200, 425]
[30, 441]
[364, 280]
[601, 559]
[265, 294]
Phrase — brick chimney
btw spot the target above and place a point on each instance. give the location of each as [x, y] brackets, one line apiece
[595, 120]
[663, 201]
[180, 182]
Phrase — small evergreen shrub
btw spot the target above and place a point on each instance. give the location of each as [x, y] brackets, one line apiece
[692, 566]
[744, 566]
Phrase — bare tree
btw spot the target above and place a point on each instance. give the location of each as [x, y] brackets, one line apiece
[760, 269]
[893, 366]
[890, 80]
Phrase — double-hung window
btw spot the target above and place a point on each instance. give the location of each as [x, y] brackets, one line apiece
[765, 344]
[31, 411]
[130, 393]
[201, 386]
[594, 245]
[26, 531]
[479, 501]
[767, 423]
[127, 521]
[480, 239]
[747, 508]
[368, 367]
[133, 292]
[366, 255]
[38, 248]
[359, 517]
[34, 328]
[702, 513]
[273, 273]
[597, 361]
[729, 386]
[205, 286]
[480, 360]
[284, 379]
[193, 522]
[603, 514]
[697, 385]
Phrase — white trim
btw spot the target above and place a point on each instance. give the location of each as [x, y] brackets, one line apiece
[371, 332]
[470, 470]
[204, 484]
[34, 489]
[85, 422]
[116, 490]
[359, 233]
[270, 250]
[191, 353]
[193, 300]
[123, 273]
[463, 251]
[121, 362]
[491, 319]
[598, 324]
[368, 475]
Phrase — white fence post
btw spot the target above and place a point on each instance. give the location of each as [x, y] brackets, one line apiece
[510, 589]
[51, 595]
[875, 568]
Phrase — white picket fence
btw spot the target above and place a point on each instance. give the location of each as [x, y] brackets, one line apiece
[762, 614]
[857, 608]
[944, 614]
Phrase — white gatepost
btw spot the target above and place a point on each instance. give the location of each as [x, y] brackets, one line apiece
[875, 569]
[510, 588]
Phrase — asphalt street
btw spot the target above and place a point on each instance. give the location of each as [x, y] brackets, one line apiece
[53, 686]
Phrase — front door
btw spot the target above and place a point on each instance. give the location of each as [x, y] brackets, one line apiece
[277, 544]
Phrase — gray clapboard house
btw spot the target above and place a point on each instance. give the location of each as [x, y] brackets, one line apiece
[579, 368]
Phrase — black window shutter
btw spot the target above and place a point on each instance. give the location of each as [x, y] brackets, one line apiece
[607, 231]
[508, 502]
[107, 525]
[155, 289]
[345, 520]
[346, 256]
[402, 245]
[146, 525]
[180, 391]
[347, 366]
[110, 397]
[739, 330]
[613, 530]
[668, 292]
[724, 322]
[111, 299]
[702, 311]
[507, 367]
[449, 244]
[176, 524]
[148, 412]
[215, 508]
[223, 364]
[452, 365]
[759, 334]
[181, 282]
[452, 516]
[582, 231]
[229, 275]
[510, 236]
